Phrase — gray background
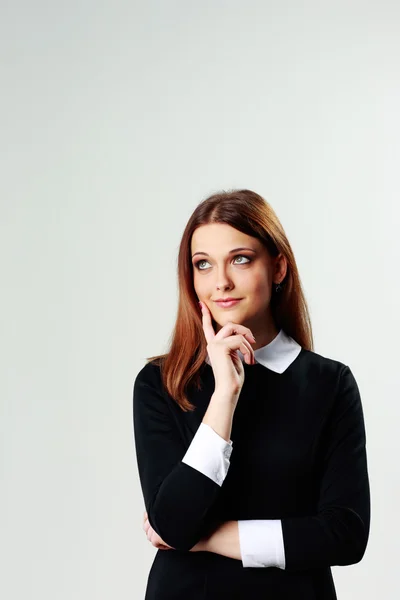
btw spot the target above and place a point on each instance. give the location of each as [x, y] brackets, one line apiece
[117, 118]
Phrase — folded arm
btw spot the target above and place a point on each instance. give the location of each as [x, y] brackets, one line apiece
[179, 484]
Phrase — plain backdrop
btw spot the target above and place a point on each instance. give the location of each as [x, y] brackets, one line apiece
[117, 119]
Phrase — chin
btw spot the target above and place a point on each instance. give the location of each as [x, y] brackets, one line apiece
[224, 319]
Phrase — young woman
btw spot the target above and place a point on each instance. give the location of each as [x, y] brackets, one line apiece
[251, 447]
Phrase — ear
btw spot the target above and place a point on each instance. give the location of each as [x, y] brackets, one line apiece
[280, 267]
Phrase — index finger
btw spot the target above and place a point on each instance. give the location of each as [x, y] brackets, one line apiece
[207, 323]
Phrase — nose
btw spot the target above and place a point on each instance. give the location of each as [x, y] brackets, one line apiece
[223, 281]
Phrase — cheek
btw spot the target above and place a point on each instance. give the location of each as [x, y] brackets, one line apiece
[198, 287]
[201, 290]
[257, 283]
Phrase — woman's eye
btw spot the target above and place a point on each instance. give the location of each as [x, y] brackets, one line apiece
[237, 256]
[198, 263]
[241, 256]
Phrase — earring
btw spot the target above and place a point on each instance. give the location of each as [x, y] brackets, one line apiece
[278, 287]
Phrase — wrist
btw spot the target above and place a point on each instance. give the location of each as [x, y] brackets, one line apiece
[201, 546]
[226, 396]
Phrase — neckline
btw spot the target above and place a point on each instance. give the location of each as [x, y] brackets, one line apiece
[251, 368]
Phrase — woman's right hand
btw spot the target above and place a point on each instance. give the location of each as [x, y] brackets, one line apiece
[222, 351]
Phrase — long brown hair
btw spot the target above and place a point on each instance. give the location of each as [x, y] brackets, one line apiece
[249, 213]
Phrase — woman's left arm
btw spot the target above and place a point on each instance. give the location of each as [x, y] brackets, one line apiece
[337, 534]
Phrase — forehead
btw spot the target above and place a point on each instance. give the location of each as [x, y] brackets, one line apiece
[219, 237]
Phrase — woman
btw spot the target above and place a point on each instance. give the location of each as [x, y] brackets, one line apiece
[250, 446]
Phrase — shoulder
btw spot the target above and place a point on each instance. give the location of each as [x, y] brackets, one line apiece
[336, 383]
[148, 382]
[148, 390]
[149, 374]
[320, 367]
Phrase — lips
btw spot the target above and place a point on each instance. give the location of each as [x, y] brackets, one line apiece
[227, 303]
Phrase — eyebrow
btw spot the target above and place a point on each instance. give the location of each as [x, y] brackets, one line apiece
[230, 251]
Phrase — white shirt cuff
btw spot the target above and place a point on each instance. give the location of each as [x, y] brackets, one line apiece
[261, 543]
[209, 453]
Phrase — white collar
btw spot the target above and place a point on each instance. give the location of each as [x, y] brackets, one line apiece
[277, 355]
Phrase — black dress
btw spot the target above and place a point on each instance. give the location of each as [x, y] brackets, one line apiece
[299, 455]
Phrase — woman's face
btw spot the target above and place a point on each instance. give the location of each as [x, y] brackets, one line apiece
[248, 274]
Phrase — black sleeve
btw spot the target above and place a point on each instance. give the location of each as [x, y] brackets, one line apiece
[177, 497]
[338, 533]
